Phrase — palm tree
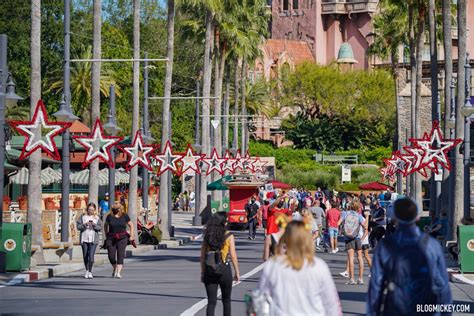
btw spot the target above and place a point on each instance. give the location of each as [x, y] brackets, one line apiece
[95, 92]
[165, 185]
[34, 176]
[133, 188]
[448, 75]
[81, 77]
[461, 94]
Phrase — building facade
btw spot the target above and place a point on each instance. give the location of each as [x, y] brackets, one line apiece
[325, 25]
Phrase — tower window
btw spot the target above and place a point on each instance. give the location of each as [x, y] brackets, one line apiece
[286, 5]
[295, 4]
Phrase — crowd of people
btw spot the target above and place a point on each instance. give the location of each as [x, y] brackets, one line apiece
[298, 224]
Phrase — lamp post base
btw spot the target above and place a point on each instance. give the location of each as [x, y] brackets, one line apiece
[3, 262]
[197, 221]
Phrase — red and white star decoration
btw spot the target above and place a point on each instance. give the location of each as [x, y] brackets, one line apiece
[247, 163]
[138, 153]
[214, 163]
[397, 163]
[190, 161]
[435, 148]
[35, 141]
[238, 162]
[102, 151]
[228, 164]
[168, 161]
[259, 165]
[415, 156]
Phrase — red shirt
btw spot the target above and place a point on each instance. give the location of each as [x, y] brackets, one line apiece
[265, 211]
[333, 215]
[272, 227]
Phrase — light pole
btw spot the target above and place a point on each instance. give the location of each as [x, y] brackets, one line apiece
[65, 114]
[197, 147]
[7, 97]
[437, 180]
[111, 128]
[146, 133]
[468, 112]
[451, 124]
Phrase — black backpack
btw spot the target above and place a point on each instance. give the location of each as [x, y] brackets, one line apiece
[409, 279]
[214, 266]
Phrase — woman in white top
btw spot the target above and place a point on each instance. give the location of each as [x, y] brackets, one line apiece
[296, 282]
[89, 224]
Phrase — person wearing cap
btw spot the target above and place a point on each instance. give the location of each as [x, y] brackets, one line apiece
[408, 268]
[104, 206]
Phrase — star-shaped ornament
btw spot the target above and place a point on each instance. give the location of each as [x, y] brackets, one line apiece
[436, 148]
[387, 174]
[228, 164]
[238, 162]
[259, 165]
[190, 161]
[415, 156]
[103, 148]
[397, 163]
[247, 163]
[45, 138]
[214, 163]
[167, 160]
[139, 153]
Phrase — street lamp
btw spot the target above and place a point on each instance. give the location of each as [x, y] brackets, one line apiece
[112, 129]
[7, 97]
[65, 114]
[467, 110]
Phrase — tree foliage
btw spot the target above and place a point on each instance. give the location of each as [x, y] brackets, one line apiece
[339, 110]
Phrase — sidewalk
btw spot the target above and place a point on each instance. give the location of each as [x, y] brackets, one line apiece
[184, 233]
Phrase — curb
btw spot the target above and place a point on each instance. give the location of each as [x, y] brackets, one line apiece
[100, 259]
[456, 277]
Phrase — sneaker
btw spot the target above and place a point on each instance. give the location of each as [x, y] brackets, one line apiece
[351, 282]
[118, 276]
[86, 275]
[250, 238]
[360, 281]
[318, 248]
[114, 274]
[344, 274]
[90, 275]
[336, 250]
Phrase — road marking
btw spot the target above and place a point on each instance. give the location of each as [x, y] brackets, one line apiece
[202, 303]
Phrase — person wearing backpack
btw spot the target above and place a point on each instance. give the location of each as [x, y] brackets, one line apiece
[354, 228]
[408, 268]
[217, 251]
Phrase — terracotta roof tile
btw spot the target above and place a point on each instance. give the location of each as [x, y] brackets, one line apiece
[299, 51]
[78, 127]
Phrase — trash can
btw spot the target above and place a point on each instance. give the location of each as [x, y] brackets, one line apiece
[466, 248]
[16, 243]
[423, 221]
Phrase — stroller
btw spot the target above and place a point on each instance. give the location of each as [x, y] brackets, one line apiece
[149, 234]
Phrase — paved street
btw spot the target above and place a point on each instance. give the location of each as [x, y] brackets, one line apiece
[164, 282]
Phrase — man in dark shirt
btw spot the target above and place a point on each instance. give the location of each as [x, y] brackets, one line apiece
[252, 212]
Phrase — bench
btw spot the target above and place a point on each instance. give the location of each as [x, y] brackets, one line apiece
[48, 240]
[335, 159]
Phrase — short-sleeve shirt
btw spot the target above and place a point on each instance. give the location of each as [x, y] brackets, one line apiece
[333, 215]
[104, 205]
[318, 214]
[117, 225]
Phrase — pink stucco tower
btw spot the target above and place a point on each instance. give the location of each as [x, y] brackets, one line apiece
[325, 25]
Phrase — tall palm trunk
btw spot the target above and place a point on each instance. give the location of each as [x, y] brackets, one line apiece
[435, 190]
[218, 81]
[95, 91]
[243, 106]
[225, 125]
[235, 142]
[413, 127]
[165, 185]
[34, 177]
[206, 93]
[420, 43]
[461, 94]
[132, 192]
[447, 197]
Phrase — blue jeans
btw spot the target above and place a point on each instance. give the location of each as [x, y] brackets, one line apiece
[252, 227]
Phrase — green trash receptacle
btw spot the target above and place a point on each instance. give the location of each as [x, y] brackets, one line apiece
[16, 243]
[423, 221]
[466, 248]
